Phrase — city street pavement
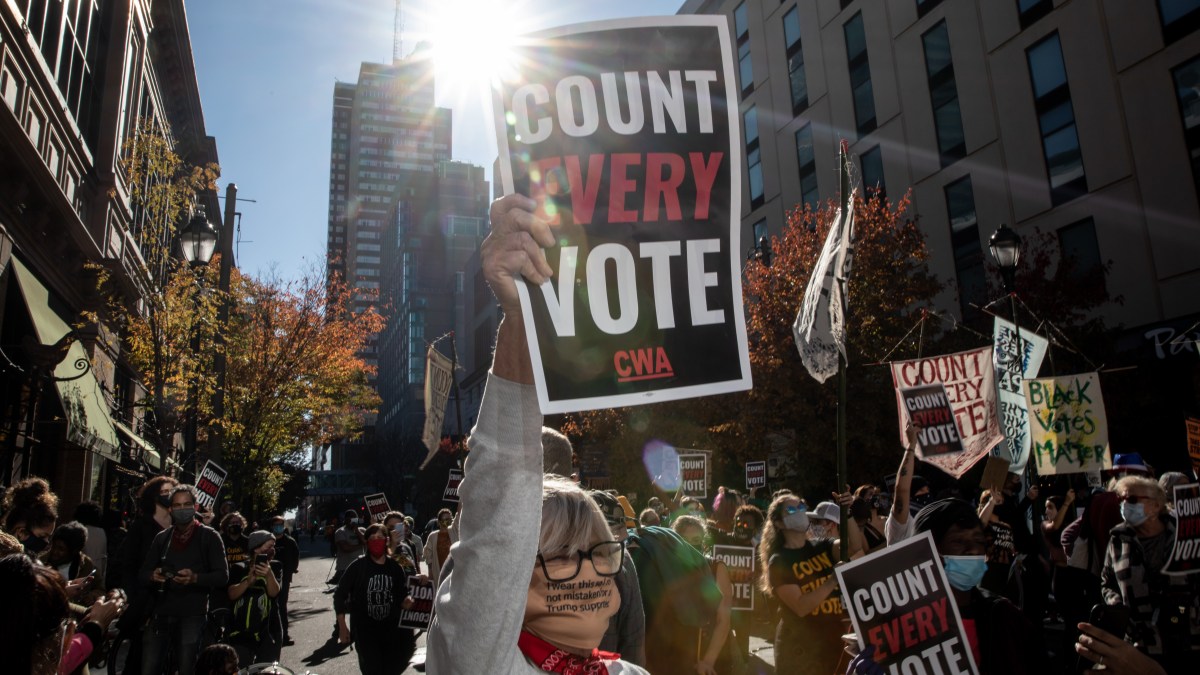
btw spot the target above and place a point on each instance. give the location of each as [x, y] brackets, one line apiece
[312, 619]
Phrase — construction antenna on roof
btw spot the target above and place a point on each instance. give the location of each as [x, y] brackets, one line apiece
[397, 32]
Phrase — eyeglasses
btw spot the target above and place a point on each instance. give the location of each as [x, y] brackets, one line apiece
[605, 557]
[1134, 499]
[795, 509]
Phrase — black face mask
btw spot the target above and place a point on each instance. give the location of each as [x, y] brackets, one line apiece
[34, 544]
[234, 530]
[743, 532]
[923, 500]
[164, 501]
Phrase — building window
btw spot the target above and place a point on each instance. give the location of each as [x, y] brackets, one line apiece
[1187, 89]
[741, 27]
[1081, 252]
[943, 93]
[968, 252]
[1056, 120]
[872, 172]
[1179, 17]
[923, 6]
[1029, 11]
[753, 157]
[760, 230]
[808, 167]
[68, 35]
[795, 59]
[860, 75]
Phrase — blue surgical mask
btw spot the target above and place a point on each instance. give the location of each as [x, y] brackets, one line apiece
[277, 529]
[1134, 514]
[964, 572]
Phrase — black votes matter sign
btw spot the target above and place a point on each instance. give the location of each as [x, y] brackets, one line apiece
[626, 134]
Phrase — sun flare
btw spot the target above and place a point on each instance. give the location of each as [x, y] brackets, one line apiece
[472, 42]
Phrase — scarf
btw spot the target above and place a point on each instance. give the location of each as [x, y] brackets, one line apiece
[548, 658]
[179, 541]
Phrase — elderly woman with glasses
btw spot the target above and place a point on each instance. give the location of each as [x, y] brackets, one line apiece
[531, 589]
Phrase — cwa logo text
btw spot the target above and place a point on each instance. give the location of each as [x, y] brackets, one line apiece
[647, 363]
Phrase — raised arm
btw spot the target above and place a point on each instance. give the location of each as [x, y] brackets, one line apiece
[904, 476]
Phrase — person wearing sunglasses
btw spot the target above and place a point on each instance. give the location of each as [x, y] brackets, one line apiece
[797, 570]
[1163, 619]
[532, 585]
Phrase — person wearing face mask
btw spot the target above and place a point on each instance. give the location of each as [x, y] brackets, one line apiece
[372, 592]
[437, 544]
[1163, 613]
[255, 629]
[1002, 639]
[824, 521]
[67, 557]
[797, 570]
[287, 552]
[532, 588]
[30, 512]
[717, 646]
[184, 565]
[154, 516]
[348, 540]
[626, 634]
[233, 535]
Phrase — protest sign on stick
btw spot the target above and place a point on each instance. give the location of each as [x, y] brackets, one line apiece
[1068, 426]
[377, 506]
[740, 562]
[694, 473]
[929, 411]
[208, 485]
[451, 493]
[994, 474]
[1185, 554]
[1012, 368]
[421, 590]
[970, 382]
[627, 136]
[439, 380]
[900, 602]
[756, 475]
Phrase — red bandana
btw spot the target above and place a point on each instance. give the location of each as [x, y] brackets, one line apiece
[551, 659]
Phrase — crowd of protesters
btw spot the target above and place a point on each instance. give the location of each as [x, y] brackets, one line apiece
[166, 582]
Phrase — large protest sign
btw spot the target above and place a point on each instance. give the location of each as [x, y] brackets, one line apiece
[970, 384]
[1185, 554]
[627, 135]
[377, 506]
[439, 380]
[756, 475]
[1013, 365]
[900, 602]
[693, 470]
[740, 562]
[1068, 426]
[929, 410]
[452, 482]
[418, 616]
[208, 485]
[1193, 444]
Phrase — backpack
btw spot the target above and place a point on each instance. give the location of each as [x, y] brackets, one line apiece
[674, 577]
[250, 616]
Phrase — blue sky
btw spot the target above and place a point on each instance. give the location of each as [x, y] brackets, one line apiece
[266, 70]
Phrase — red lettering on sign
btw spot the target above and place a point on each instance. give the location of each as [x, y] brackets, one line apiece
[647, 363]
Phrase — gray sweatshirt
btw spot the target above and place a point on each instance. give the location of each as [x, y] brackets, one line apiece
[480, 604]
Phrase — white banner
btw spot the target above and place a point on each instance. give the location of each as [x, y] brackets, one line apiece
[819, 329]
[439, 378]
[1011, 371]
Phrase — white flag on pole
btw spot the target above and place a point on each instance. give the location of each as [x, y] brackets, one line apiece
[820, 329]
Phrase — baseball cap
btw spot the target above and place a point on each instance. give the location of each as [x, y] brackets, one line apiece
[827, 511]
[1130, 461]
[610, 507]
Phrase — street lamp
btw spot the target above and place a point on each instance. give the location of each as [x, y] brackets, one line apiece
[761, 252]
[1005, 246]
[198, 240]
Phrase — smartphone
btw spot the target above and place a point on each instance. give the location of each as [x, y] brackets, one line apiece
[260, 559]
[1110, 618]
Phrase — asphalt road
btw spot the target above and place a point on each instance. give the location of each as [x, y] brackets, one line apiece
[310, 609]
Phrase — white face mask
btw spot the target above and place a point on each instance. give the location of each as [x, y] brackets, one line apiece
[797, 522]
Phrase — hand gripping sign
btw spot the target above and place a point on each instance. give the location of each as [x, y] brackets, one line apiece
[626, 134]
[208, 485]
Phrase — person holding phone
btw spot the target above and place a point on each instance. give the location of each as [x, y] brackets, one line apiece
[256, 631]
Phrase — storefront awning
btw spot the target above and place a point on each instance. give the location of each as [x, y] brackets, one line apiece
[89, 424]
[147, 451]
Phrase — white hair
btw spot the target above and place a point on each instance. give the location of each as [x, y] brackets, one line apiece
[571, 520]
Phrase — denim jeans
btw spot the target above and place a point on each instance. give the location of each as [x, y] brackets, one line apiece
[181, 633]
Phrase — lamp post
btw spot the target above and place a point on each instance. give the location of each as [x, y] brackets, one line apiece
[1005, 247]
[761, 252]
[197, 243]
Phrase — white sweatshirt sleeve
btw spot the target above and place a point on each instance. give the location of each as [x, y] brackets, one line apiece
[480, 605]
